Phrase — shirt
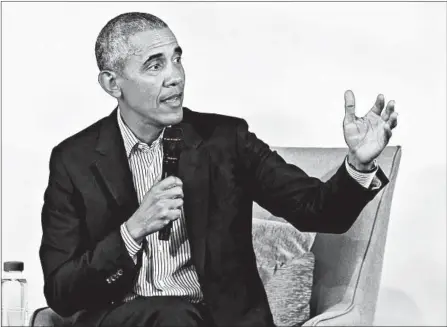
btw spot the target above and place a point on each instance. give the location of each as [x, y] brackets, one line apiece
[167, 269]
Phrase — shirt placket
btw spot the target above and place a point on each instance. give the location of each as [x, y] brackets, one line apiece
[155, 248]
[145, 163]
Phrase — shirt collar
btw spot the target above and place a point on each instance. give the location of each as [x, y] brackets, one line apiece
[129, 138]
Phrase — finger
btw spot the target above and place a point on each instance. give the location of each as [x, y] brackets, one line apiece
[166, 221]
[389, 110]
[169, 182]
[392, 122]
[378, 106]
[388, 132]
[349, 105]
[174, 214]
[172, 193]
[175, 203]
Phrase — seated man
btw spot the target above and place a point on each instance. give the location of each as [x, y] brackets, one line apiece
[107, 203]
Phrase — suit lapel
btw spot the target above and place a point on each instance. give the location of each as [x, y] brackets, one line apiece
[194, 172]
[113, 167]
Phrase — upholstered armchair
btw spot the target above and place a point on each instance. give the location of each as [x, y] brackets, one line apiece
[347, 273]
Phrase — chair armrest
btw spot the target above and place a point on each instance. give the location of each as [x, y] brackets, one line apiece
[48, 318]
[348, 266]
[340, 314]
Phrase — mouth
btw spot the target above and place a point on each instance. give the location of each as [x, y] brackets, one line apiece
[174, 99]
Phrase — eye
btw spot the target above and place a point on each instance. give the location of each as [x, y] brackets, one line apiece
[178, 60]
[154, 67]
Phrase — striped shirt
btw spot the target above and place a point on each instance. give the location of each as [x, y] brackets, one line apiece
[166, 269]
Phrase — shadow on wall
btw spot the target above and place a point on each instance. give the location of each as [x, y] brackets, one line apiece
[396, 308]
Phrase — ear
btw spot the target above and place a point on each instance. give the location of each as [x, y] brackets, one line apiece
[108, 81]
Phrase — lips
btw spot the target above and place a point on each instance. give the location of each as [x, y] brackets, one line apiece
[172, 98]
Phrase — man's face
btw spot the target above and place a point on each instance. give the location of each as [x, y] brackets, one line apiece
[153, 79]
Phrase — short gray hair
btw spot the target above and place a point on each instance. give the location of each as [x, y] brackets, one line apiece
[112, 48]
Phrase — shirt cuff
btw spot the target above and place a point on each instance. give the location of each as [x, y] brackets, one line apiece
[131, 246]
[364, 179]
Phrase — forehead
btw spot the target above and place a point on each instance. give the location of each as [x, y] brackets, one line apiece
[144, 42]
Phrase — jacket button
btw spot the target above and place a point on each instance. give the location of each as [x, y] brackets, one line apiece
[120, 272]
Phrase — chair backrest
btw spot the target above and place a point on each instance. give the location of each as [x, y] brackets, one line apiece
[348, 266]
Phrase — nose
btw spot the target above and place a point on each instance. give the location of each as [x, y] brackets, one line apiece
[174, 76]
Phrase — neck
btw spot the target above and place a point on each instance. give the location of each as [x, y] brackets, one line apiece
[145, 131]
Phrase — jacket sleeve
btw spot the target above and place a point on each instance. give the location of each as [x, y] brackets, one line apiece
[306, 202]
[78, 276]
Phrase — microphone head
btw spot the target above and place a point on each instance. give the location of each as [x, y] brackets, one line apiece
[172, 142]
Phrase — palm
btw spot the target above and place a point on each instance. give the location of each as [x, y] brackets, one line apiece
[367, 136]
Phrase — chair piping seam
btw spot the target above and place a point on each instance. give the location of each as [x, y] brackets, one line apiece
[351, 305]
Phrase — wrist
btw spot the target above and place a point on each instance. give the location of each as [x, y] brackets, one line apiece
[134, 230]
[364, 167]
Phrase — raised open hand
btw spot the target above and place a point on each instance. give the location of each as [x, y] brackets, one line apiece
[367, 136]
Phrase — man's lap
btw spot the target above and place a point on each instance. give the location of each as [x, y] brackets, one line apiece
[148, 312]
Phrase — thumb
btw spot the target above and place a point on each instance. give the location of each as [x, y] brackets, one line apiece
[349, 106]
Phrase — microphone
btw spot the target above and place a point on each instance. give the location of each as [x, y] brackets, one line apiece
[172, 146]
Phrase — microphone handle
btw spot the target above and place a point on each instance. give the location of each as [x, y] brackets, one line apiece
[165, 232]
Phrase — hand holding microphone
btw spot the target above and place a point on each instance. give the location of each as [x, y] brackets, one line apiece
[160, 206]
[164, 201]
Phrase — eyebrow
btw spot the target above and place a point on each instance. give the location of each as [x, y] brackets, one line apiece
[177, 50]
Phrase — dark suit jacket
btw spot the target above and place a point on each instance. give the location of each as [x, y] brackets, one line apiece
[224, 168]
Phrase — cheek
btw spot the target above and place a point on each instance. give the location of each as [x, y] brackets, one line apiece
[143, 93]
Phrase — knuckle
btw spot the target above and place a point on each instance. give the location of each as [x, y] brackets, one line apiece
[179, 191]
[160, 205]
[176, 214]
[164, 183]
[164, 212]
[155, 195]
[170, 215]
[177, 204]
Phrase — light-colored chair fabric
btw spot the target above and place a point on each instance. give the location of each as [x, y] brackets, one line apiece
[46, 317]
[348, 266]
[285, 264]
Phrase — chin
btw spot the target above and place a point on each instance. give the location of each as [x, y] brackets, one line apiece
[174, 118]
